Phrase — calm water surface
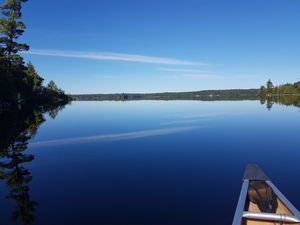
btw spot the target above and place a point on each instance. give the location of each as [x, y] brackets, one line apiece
[153, 162]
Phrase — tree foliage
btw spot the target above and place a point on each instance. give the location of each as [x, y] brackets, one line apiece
[284, 89]
[285, 94]
[11, 28]
[34, 79]
[208, 95]
[269, 85]
[20, 83]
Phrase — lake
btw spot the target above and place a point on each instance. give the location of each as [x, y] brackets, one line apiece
[144, 162]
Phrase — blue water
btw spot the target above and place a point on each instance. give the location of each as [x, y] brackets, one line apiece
[156, 162]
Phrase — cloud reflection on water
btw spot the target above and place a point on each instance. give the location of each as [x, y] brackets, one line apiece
[113, 137]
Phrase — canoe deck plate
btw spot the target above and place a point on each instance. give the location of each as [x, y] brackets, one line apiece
[253, 172]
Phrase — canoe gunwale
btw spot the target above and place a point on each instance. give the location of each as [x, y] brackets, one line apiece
[284, 200]
[241, 204]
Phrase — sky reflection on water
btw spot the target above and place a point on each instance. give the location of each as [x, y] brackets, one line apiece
[148, 162]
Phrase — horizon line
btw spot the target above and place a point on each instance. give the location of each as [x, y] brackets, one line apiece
[163, 92]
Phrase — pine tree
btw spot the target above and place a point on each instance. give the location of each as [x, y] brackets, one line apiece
[11, 28]
[12, 65]
[19, 83]
[270, 85]
[52, 86]
[34, 79]
[262, 90]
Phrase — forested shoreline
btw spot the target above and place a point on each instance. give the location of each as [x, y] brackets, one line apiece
[269, 91]
[286, 94]
[288, 89]
[206, 95]
[20, 84]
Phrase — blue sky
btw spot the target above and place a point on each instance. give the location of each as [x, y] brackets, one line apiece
[113, 46]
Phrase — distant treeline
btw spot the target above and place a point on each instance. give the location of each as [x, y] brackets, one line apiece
[280, 90]
[208, 95]
[286, 94]
[19, 82]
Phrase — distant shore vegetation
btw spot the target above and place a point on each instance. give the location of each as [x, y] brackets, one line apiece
[19, 81]
[207, 95]
[285, 94]
[285, 89]
[268, 90]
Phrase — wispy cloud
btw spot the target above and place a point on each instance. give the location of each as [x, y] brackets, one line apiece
[183, 121]
[113, 137]
[183, 70]
[109, 56]
[106, 76]
[202, 76]
[209, 76]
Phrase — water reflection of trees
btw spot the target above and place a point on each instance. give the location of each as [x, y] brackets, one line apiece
[286, 100]
[18, 126]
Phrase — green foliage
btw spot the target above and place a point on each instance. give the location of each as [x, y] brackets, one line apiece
[55, 94]
[269, 85]
[211, 95]
[123, 97]
[285, 94]
[285, 89]
[52, 86]
[33, 79]
[11, 28]
[20, 83]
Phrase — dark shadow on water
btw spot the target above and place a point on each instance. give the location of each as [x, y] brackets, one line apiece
[18, 126]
